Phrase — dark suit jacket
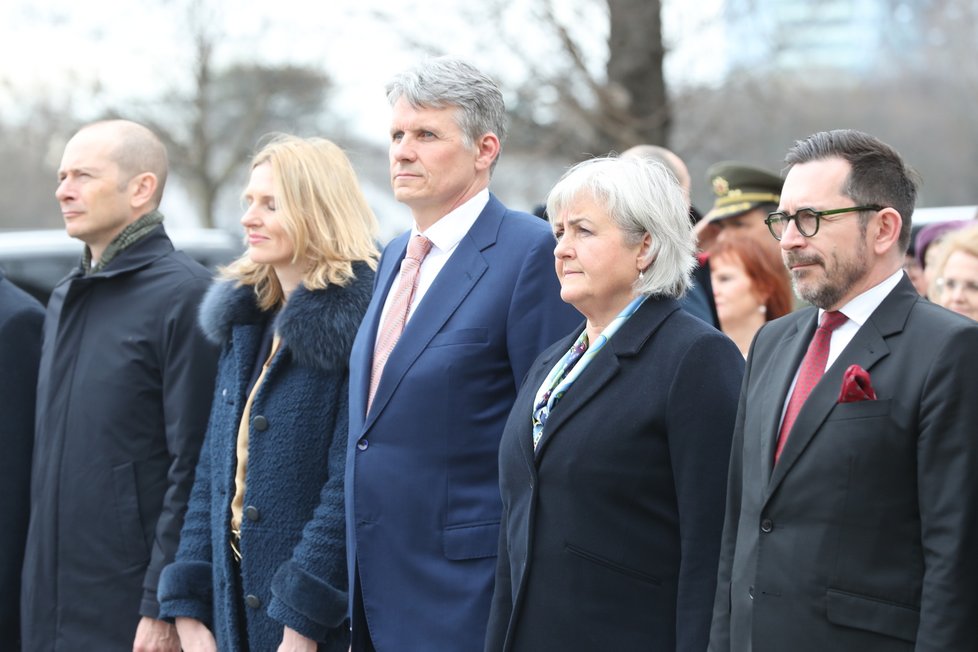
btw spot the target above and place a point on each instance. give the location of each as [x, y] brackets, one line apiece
[864, 536]
[21, 323]
[422, 488]
[612, 529]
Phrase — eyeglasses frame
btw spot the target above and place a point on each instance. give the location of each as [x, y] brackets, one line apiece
[781, 216]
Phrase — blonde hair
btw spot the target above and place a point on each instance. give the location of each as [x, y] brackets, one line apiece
[964, 239]
[323, 211]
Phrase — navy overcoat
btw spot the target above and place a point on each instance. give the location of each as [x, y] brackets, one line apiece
[293, 570]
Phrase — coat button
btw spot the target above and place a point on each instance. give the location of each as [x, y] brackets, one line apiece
[363, 444]
[252, 601]
[259, 423]
[224, 392]
[252, 513]
[767, 525]
[750, 592]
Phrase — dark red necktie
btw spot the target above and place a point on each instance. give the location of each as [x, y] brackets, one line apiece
[811, 370]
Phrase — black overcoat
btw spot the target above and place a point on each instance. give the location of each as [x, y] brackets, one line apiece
[611, 528]
[123, 396]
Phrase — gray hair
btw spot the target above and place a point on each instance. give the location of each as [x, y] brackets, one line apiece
[640, 196]
[442, 82]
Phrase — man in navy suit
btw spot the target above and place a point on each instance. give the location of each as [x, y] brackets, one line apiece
[422, 491]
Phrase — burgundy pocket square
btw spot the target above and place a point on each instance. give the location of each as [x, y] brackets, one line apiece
[856, 386]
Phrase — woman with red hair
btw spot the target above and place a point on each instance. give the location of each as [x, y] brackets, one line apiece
[750, 286]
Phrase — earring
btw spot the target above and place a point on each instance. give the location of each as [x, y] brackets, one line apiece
[762, 309]
[641, 274]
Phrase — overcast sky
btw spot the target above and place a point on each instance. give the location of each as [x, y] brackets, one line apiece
[133, 49]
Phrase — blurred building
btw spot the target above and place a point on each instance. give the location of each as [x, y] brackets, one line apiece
[823, 40]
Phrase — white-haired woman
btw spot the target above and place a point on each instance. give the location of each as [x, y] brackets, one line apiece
[613, 463]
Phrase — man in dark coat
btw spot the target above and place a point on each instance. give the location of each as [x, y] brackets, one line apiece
[21, 318]
[122, 401]
[851, 521]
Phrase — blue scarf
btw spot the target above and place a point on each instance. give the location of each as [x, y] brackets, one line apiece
[570, 366]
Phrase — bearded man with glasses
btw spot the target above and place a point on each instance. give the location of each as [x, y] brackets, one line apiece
[852, 510]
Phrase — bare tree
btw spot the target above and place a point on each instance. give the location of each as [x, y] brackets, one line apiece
[562, 103]
[212, 128]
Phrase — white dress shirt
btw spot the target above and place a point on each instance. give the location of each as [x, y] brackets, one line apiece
[445, 234]
[858, 311]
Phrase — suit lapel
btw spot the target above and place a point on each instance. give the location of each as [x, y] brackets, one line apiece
[627, 342]
[528, 392]
[454, 282]
[361, 370]
[589, 384]
[866, 349]
[790, 351]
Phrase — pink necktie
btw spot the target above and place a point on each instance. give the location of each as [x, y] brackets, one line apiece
[811, 370]
[390, 330]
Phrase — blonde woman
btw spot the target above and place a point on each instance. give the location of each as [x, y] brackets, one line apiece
[261, 563]
[957, 272]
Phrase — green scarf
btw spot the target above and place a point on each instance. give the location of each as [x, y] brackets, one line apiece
[128, 237]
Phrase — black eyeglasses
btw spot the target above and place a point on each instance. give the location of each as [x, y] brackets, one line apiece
[807, 219]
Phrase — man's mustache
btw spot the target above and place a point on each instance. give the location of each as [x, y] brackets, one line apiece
[792, 259]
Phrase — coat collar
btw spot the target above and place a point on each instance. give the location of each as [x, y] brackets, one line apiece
[316, 326]
[626, 343]
[866, 349]
[142, 253]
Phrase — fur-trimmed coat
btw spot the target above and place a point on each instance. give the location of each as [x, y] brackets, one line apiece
[292, 532]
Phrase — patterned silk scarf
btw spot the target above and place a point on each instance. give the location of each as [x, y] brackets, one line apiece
[570, 366]
[129, 236]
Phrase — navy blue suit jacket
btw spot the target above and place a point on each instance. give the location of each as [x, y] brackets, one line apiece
[422, 492]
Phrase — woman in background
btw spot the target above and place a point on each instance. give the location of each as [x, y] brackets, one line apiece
[957, 272]
[261, 563]
[613, 462]
[750, 287]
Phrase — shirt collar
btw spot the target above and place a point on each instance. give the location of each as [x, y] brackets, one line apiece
[861, 307]
[449, 230]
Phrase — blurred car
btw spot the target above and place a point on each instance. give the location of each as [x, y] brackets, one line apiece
[931, 214]
[36, 260]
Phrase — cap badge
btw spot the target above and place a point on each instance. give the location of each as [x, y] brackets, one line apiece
[720, 186]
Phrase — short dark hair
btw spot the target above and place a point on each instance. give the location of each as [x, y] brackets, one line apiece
[878, 175]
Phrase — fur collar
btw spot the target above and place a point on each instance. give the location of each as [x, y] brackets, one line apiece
[317, 326]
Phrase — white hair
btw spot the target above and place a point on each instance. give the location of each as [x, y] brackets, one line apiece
[641, 197]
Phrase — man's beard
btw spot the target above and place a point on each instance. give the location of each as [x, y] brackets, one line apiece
[827, 292]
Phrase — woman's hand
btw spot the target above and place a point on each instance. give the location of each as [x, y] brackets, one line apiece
[194, 636]
[293, 641]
